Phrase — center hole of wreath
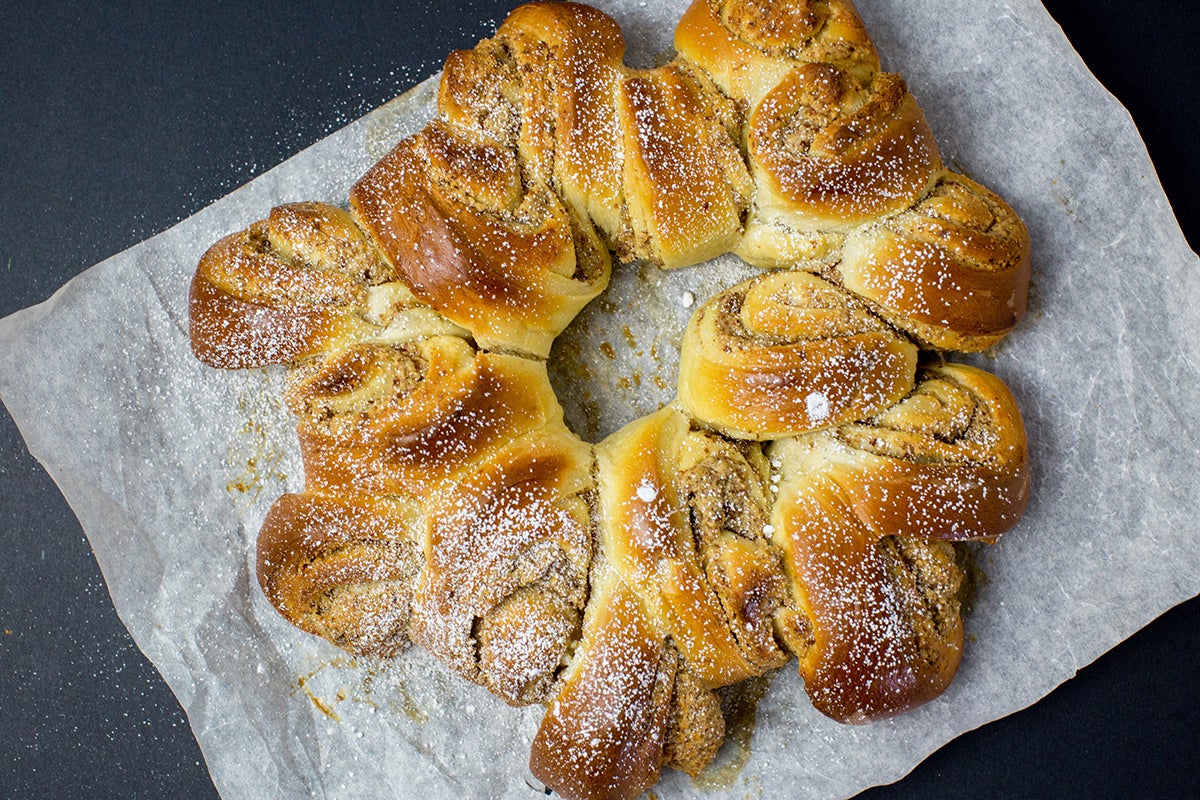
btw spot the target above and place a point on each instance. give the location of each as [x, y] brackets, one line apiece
[619, 359]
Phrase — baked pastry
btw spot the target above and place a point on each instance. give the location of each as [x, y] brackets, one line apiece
[804, 495]
[786, 353]
[502, 258]
[865, 514]
[848, 177]
[684, 595]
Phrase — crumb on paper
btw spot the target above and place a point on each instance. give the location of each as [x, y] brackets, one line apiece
[253, 458]
[336, 681]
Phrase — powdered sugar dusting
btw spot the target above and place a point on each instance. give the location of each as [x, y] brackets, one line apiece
[817, 406]
[474, 233]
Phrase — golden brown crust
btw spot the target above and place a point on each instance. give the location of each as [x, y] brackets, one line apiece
[830, 154]
[949, 463]
[602, 737]
[686, 186]
[748, 45]
[522, 643]
[866, 661]
[516, 523]
[648, 155]
[467, 406]
[326, 239]
[477, 443]
[255, 300]
[684, 557]
[451, 216]
[956, 445]
[786, 353]
[480, 90]
[583, 53]
[343, 568]
[302, 281]
[848, 177]
[230, 333]
[953, 271]
[446, 502]
[647, 534]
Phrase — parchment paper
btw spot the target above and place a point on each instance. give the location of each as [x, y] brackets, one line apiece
[170, 466]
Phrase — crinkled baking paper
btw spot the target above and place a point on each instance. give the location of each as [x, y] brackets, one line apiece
[170, 466]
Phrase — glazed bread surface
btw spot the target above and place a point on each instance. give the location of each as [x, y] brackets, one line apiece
[807, 494]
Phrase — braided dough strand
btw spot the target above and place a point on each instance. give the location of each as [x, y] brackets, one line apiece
[863, 515]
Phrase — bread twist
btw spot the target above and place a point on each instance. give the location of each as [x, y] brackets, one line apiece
[476, 441]
[864, 514]
[848, 177]
[625, 585]
[684, 562]
[786, 353]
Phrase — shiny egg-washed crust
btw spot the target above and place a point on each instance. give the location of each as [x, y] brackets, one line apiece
[681, 516]
[253, 302]
[303, 281]
[496, 545]
[863, 514]
[785, 352]
[802, 496]
[848, 179]
[830, 154]
[511, 265]
[748, 46]
[957, 263]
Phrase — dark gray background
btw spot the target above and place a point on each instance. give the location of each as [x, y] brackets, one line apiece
[116, 124]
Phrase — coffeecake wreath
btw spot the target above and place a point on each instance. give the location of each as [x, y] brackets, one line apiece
[806, 492]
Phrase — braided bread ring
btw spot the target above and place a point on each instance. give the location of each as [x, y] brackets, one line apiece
[446, 503]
